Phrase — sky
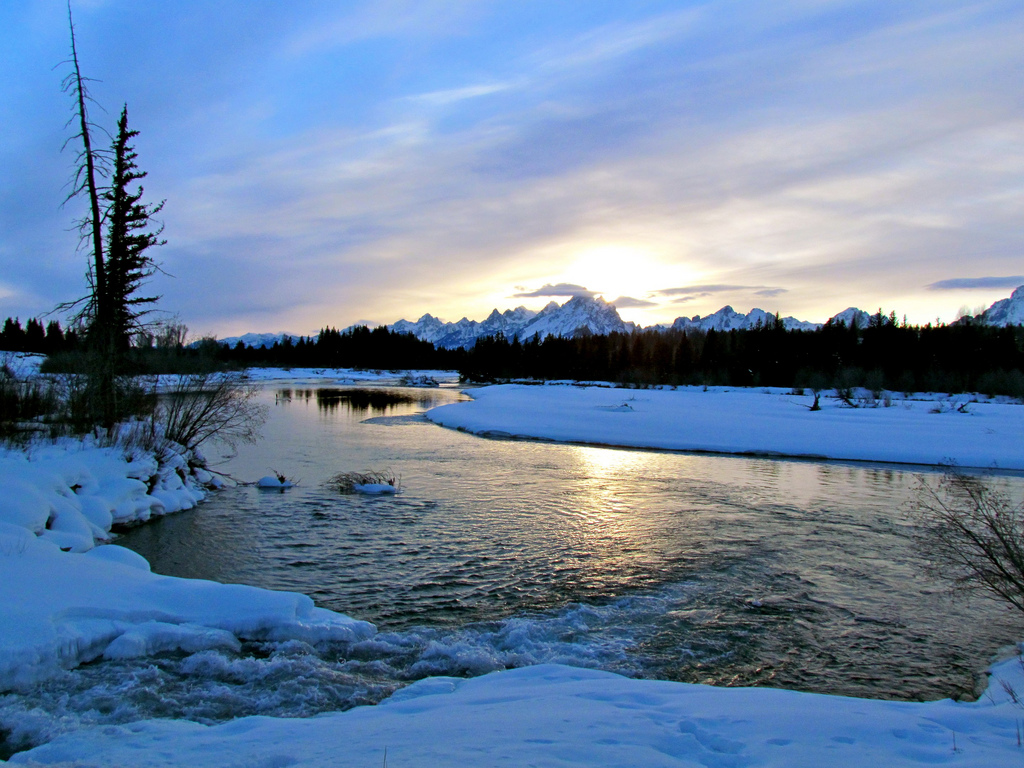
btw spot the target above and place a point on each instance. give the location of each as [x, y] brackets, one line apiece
[326, 163]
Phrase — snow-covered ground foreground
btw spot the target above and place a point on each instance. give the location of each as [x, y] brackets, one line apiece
[64, 602]
[553, 715]
[929, 430]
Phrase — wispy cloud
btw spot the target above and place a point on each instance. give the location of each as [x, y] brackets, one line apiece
[628, 302]
[614, 41]
[968, 283]
[454, 95]
[703, 290]
[689, 298]
[561, 289]
[707, 290]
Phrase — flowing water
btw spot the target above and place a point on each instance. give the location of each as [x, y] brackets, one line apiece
[714, 569]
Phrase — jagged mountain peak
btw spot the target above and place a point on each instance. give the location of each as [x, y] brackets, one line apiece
[1006, 311]
[595, 315]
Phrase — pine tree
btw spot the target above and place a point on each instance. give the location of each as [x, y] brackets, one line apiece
[129, 236]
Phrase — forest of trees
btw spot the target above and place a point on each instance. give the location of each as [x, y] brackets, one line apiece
[963, 357]
[357, 347]
[884, 355]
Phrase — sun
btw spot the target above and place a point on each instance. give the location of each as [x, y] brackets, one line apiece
[614, 270]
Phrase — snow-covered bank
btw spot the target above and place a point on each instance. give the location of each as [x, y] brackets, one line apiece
[560, 716]
[66, 603]
[70, 492]
[62, 609]
[753, 421]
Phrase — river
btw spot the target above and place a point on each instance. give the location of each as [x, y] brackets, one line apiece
[698, 568]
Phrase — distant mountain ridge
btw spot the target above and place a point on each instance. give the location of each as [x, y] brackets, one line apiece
[581, 314]
[584, 315]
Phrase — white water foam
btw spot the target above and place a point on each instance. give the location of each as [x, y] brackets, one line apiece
[295, 679]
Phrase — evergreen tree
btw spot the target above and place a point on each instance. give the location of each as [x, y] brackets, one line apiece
[35, 336]
[129, 236]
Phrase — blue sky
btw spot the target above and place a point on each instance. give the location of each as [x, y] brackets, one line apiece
[330, 162]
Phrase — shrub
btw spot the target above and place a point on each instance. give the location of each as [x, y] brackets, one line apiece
[972, 534]
[345, 482]
[202, 406]
[25, 403]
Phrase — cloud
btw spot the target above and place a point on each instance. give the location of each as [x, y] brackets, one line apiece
[968, 283]
[703, 290]
[628, 302]
[454, 95]
[695, 291]
[561, 289]
[851, 156]
[688, 299]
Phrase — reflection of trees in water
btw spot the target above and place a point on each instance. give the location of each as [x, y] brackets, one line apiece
[360, 400]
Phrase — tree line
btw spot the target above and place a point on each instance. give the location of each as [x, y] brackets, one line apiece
[885, 354]
[358, 347]
[48, 339]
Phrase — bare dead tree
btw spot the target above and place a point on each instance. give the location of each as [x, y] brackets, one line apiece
[89, 163]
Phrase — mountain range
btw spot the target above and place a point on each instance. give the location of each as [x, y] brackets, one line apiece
[581, 314]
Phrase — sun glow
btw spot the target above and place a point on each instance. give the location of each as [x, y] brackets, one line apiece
[614, 270]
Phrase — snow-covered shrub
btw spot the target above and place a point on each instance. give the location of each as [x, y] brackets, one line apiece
[347, 482]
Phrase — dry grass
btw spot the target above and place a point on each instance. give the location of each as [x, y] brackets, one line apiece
[345, 482]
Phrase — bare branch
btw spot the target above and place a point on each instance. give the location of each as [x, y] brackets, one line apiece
[973, 535]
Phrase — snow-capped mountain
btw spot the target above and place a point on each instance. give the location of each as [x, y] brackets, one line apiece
[578, 315]
[1006, 311]
[257, 340]
[465, 332]
[851, 316]
[728, 319]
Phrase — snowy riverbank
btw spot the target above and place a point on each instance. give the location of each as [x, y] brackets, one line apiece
[64, 608]
[772, 422]
[66, 602]
[560, 716]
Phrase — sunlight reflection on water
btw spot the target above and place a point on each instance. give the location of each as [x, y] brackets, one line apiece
[789, 573]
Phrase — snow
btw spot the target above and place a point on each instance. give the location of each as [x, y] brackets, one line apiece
[66, 608]
[1006, 311]
[272, 482]
[22, 364]
[374, 488]
[553, 715]
[67, 602]
[748, 421]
